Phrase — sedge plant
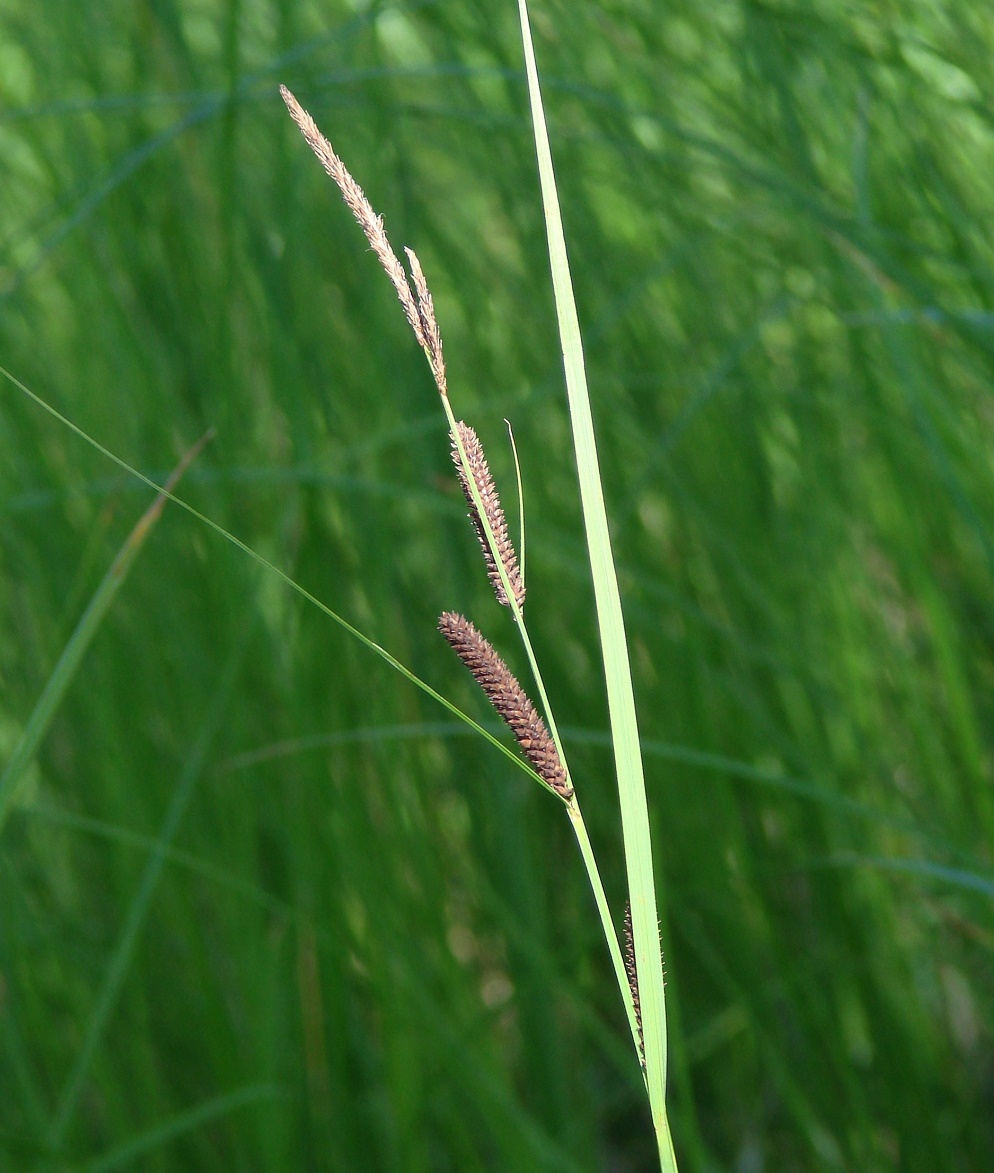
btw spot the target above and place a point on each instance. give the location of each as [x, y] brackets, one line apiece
[635, 953]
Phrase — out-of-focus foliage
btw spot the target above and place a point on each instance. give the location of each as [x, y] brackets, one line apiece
[263, 906]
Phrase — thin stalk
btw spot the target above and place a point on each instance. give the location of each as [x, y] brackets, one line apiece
[607, 922]
[521, 505]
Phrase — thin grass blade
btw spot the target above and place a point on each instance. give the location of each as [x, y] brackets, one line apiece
[614, 648]
[81, 638]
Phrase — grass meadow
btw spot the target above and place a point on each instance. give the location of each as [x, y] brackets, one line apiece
[264, 905]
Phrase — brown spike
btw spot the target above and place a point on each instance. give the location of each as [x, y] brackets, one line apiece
[633, 980]
[495, 515]
[508, 698]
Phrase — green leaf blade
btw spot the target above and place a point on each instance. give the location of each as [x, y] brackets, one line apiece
[617, 668]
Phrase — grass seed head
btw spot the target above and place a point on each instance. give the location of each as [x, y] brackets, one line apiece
[495, 515]
[508, 698]
[632, 972]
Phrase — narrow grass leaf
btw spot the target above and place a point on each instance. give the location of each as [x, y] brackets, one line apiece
[72, 654]
[614, 648]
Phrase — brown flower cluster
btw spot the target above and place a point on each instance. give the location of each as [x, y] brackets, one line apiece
[508, 698]
[633, 980]
[494, 513]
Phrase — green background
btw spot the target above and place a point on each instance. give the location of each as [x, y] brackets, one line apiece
[263, 904]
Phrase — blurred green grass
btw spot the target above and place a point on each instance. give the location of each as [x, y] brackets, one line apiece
[370, 944]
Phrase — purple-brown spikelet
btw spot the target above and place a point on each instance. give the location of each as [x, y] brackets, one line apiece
[633, 980]
[495, 515]
[508, 698]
